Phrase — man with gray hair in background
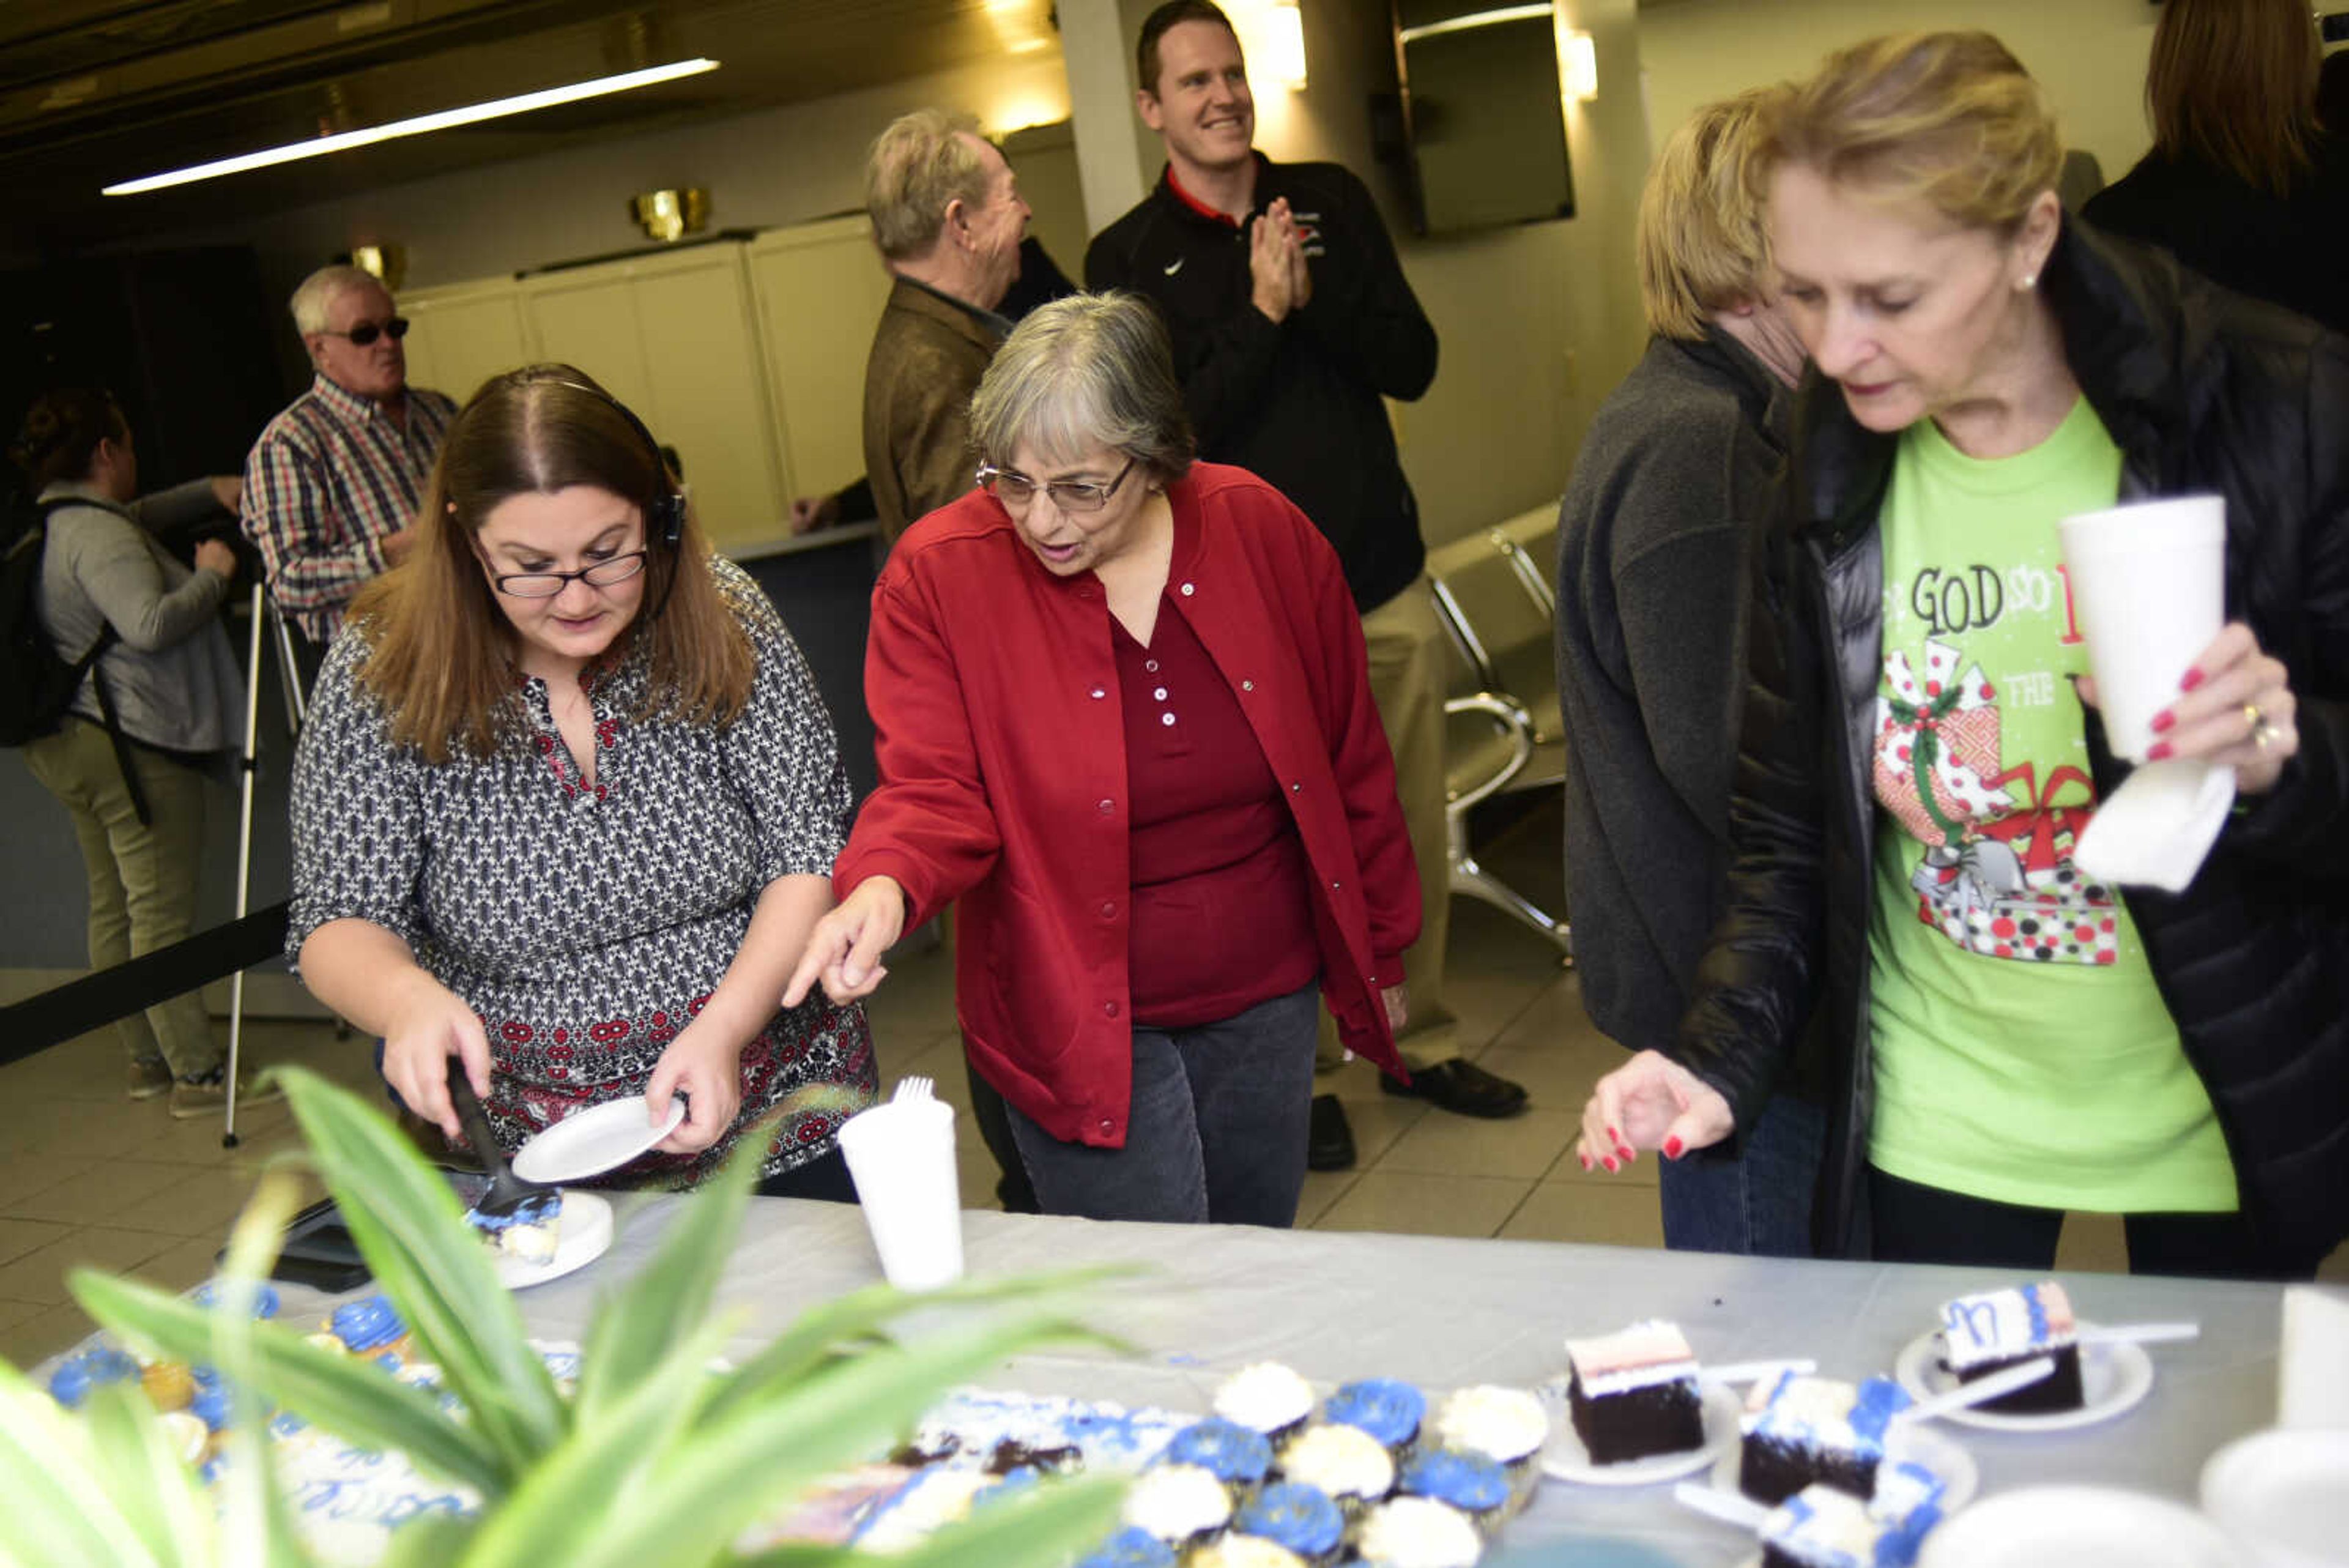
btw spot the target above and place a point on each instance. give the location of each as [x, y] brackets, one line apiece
[947, 218]
[332, 486]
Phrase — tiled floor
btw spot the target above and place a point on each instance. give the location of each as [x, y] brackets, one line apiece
[86, 1177]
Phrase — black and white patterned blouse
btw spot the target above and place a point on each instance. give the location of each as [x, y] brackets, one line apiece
[587, 923]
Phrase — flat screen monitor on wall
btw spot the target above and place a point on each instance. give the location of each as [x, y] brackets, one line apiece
[1482, 114]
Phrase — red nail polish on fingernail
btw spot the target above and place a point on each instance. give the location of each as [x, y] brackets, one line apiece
[2193, 679]
[2157, 750]
[1672, 1146]
[1610, 1165]
[2162, 722]
[1614, 1137]
[1585, 1160]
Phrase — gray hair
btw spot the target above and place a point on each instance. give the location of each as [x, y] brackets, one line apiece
[317, 293]
[924, 160]
[1090, 369]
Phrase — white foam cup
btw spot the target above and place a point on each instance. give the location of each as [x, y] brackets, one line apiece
[2148, 592]
[901, 1154]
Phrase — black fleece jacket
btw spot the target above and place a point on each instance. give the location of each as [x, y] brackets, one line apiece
[2202, 390]
[1294, 402]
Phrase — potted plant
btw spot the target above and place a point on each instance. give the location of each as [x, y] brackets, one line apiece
[654, 1456]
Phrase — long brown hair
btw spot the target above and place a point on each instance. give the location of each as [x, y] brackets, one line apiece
[2233, 83]
[441, 653]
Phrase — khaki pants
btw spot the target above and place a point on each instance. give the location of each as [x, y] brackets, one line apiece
[142, 876]
[1407, 682]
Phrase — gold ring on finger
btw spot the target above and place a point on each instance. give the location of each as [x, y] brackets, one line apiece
[2263, 735]
[2254, 719]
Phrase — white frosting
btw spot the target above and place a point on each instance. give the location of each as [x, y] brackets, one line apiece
[1419, 1532]
[1266, 1397]
[1246, 1551]
[1824, 1526]
[931, 1500]
[1344, 1461]
[187, 1433]
[1639, 1356]
[1504, 1424]
[1175, 1502]
[1999, 1326]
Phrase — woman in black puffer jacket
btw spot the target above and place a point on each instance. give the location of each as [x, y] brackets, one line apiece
[2008, 1040]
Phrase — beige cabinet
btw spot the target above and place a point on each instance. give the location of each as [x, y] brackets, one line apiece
[820, 289]
[461, 335]
[675, 337]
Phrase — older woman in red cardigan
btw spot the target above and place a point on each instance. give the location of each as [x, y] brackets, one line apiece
[1124, 717]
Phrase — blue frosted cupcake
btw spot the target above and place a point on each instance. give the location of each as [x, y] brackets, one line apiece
[1301, 1517]
[1235, 1455]
[370, 1326]
[1476, 1484]
[1131, 1547]
[1388, 1410]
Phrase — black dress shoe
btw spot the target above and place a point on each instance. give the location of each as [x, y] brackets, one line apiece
[1328, 1141]
[1462, 1087]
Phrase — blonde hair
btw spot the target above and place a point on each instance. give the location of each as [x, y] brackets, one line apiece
[922, 161]
[1702, 248]
[1951, 120]
[440, 652]
[2233, 84]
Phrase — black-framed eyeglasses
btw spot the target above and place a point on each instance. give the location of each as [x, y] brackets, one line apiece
[366, 332]
[546, 584]
[1015, 490]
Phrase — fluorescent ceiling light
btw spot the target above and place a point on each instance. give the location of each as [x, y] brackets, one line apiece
[443, 120]
[1476, 19]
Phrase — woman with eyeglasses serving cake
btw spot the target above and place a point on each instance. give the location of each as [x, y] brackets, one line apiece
[566, 803]
[1123, 717]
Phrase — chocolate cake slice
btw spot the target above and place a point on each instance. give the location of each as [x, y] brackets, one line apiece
[1994, 1330]
[1634, 1393]
[1798, 1430]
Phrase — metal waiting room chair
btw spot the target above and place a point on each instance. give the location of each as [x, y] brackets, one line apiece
[1503, 732]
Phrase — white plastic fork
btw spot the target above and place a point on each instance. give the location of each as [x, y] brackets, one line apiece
[915, 1087]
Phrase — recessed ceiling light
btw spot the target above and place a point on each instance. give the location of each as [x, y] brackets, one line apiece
[472, 113]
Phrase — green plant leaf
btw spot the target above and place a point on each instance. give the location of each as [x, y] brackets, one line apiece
[409, 1227]
[637, 1326]
[728, 1473]
[599, 1472]
[344, 1394]
[854, 1323]
[56, 1511]
[1060, 1521]
[432, 1542]
[146, 1476]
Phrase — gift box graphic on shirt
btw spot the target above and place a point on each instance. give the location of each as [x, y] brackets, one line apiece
[1997, 876]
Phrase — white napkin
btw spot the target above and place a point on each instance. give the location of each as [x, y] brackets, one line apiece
[2157, 829]
[2313, 1361]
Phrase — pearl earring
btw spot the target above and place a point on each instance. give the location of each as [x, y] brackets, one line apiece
[2030, 280]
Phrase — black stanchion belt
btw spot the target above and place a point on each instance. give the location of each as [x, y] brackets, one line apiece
[40, 1022]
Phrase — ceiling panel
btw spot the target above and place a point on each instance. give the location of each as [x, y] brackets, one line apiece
[98, 91]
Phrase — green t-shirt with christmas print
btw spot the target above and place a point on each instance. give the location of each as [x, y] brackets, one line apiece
[2021, 1051]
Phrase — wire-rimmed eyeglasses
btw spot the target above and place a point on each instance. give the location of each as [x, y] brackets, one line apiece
[1015, 490]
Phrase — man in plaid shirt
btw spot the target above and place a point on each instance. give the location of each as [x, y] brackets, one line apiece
[332, 487]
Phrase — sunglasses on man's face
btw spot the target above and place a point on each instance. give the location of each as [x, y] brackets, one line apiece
[366, 332]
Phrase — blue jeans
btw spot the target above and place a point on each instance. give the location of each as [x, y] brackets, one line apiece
[1758, 1204]
[1215, 1132]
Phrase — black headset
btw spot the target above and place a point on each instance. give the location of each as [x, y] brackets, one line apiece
[666, 515]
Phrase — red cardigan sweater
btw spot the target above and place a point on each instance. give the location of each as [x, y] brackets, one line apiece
[993, 690]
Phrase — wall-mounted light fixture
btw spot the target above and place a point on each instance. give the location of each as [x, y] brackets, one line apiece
[1284, 43]
[1579, 66]
[389, 264]
[418, 126]
[670, 216]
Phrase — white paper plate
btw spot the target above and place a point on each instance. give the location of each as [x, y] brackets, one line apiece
[597, 1139]
[1910, 1442]
[2282, 1496]
[2077, 1527]
[585, 1235]
[2113, 1378]
[1566, 1458]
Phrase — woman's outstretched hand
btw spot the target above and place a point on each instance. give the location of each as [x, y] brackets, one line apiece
[844, 949]
[1651, 1102]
